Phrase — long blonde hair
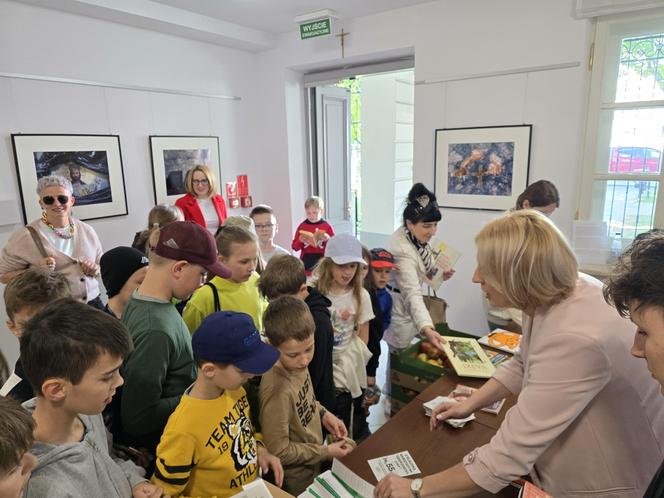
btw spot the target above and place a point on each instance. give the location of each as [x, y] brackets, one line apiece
[323, 280]
[527, 259]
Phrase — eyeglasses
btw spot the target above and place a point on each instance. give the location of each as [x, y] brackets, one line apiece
[200, 182]
[49, 199]
[267, 225]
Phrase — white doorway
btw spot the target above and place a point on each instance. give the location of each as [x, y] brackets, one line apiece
[362, 158]
[333, 171]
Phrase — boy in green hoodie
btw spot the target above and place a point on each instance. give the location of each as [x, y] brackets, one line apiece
[161, 366]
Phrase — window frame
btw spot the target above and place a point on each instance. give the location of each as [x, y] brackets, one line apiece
[609, 32]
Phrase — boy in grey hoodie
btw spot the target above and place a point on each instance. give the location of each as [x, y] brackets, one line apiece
[71, 355]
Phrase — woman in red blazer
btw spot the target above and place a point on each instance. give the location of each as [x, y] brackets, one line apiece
[202, 204]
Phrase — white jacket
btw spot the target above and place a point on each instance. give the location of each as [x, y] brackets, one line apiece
[409, 314]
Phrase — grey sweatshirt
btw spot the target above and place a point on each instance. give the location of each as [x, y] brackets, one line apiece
[81, 470]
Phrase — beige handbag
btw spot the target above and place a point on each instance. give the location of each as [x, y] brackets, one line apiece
[437, 307]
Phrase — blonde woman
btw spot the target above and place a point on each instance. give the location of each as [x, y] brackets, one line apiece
[202, 203]
[588, 420]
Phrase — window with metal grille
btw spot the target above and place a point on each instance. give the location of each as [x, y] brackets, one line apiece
[625, 134]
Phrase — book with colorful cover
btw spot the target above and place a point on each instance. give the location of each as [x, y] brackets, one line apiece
[497, 357]
[444, 257]
[467, 357]
[461, 393]
[529, 490]
[504, 340]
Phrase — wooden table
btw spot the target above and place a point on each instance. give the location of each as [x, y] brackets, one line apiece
[432, 451]
[445, 385]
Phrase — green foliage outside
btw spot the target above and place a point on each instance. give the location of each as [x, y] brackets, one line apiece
[643, 55]
[355, 87]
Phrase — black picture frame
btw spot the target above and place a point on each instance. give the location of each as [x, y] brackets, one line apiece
[173, 155]
[484, 168]
[92, 162]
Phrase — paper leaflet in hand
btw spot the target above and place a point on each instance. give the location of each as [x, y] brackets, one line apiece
[438, 400]
[461, 393]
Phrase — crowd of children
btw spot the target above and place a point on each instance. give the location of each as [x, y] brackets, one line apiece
[202, 384]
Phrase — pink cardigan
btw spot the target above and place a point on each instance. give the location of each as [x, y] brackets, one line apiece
[21, 252]
[589, 420]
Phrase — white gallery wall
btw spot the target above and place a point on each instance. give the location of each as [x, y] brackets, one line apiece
[263, 134]
[44, 42]
[451, 41]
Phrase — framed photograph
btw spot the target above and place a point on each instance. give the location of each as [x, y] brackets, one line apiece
[481, 168]
[93, 164]
[173, 157]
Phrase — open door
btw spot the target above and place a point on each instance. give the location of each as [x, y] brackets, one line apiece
[333, 121]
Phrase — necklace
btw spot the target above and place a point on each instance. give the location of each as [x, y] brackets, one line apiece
[64, 233]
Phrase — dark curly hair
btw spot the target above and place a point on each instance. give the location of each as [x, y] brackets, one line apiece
[421, 205]
[638, 275]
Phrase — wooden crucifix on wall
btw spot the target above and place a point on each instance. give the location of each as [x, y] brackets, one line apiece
[342, 35]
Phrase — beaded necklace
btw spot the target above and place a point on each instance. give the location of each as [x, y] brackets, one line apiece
[63, 233]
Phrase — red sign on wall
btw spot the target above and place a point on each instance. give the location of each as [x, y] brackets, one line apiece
[242, 186]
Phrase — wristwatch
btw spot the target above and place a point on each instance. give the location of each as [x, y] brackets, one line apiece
[416, 487]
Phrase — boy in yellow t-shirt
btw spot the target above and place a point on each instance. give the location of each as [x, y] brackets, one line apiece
[209, 447]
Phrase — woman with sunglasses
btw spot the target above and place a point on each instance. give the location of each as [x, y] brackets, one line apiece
[56, 241]
[202, 204]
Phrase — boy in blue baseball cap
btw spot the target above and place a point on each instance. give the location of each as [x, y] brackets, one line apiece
[209, 447]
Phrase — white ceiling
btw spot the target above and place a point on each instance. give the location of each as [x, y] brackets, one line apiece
[276, 16]
[245, 24]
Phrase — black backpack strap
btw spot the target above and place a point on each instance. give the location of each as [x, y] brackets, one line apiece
[215, 295]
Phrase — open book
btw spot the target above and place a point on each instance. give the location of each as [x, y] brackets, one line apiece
[340, 482]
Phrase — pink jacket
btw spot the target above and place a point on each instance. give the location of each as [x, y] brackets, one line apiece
[21, 252]
[589, 420]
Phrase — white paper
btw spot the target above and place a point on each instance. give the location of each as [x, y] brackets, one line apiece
[255, 489]
[454, 422]
[361, 487]
[401, 464]
[338, 490]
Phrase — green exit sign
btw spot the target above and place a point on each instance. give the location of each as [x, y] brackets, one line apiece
[315, 28]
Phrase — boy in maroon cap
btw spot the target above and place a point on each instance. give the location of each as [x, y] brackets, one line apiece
[162, 366]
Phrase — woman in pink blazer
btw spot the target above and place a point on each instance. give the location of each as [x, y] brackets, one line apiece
[588, 420]
[202, 204]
